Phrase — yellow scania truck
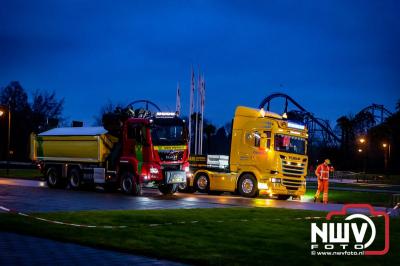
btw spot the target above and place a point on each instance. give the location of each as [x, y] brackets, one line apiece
[268, 155]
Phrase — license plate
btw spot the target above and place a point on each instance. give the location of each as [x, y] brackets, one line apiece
[174, 177]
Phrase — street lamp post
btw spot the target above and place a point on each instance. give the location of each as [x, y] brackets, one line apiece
[363, 150]
[8, 135]
[386, 148]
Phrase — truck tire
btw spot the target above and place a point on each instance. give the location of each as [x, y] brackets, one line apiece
[168, 189]
[247, 186]
[53, 178]
[283, 197]
[202, 183]
[75, 179]
[130, 184]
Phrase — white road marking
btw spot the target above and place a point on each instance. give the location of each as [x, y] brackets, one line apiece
[154, 225]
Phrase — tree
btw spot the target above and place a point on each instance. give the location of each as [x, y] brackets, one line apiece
[223, 142]
[14, 96]
[346, 125]
[228, 127]
[45, 107]
[209, 130]
[108, 107]
[362, 122]
[26, 118]
[386, 132]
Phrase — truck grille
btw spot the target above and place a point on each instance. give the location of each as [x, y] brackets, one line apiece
[291, 184]
[292, 169]
[171, 167]
[170, 155]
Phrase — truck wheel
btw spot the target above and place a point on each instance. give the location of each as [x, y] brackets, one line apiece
[130, 184]
[202, 183]
[168, 189]
[247, 186]
[283, 197]
[53, 178]
[75, 178]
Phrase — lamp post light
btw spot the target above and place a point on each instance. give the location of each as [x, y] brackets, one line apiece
[363, 149]
[386, 149]
[2, 112]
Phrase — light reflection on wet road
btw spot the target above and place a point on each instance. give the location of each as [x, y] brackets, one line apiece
[34, 196]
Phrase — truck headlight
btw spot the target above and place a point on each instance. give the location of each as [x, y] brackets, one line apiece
[187, 169]
[153, 170]
[275, 180]
[262, 186]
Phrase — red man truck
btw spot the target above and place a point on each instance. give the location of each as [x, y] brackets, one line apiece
[146, 148]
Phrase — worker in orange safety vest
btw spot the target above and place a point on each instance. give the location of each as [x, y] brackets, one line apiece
[322, 173]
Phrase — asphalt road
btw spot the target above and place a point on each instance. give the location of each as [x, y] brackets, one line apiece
[22, 250]
[35, 196]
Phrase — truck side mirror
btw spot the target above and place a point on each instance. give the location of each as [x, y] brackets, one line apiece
[263, 140]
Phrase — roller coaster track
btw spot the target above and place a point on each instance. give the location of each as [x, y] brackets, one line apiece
[147, 104]
[310, 120]
[317, 126]
[378, 111]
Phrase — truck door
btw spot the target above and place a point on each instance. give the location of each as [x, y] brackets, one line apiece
[261, 155]
[130, 141]
[134, 144]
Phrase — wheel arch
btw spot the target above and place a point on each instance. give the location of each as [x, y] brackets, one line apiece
[199, 173]
[127, 167]
[74, 166]
[205, 172]
[56, 166]
[245, 173]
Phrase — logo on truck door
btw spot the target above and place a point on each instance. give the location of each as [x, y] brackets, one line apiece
[172, 156]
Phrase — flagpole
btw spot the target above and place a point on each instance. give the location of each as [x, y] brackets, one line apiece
[201, 113]
[191, 108]
[197, 120]
[178, 100]
[203, 94]
[202, 118]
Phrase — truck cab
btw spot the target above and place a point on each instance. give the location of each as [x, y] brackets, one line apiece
[155, 149]
[267, 156]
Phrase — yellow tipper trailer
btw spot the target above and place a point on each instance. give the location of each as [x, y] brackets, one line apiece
[74, 144]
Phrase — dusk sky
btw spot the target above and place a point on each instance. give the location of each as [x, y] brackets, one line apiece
[333, 57]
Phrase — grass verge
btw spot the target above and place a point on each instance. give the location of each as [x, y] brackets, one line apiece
[390, 187]
[339, 196]
[218, 237]
[21, 173]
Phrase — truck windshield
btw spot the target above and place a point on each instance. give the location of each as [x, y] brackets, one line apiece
[290, 144]
[164, 134]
